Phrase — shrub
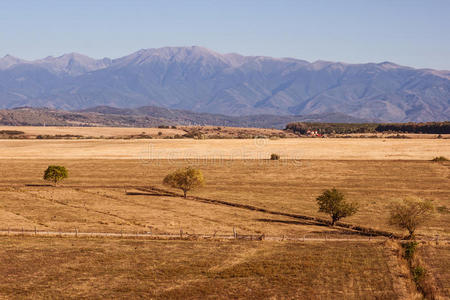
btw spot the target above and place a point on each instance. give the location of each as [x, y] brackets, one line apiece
[11, 132]
[440, 158]
[332, 202]
[55, 173]
[443, 209]
[185, 179]
[274, 156]
[419, 273]
[410, 249]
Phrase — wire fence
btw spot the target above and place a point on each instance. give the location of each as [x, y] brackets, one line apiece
[311, 237]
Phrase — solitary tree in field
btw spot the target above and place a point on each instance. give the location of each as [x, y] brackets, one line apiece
[55, 174]
[410, 213]
[332, 202]
[185, 179]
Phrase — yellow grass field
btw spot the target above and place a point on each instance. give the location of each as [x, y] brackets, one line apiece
[437, 261]
[41, 268]
[109, 191]
[99, 194]
[308, 148]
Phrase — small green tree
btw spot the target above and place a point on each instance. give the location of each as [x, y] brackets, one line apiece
[332, 202]
[55, 174]
[185, 179]
[410, 213]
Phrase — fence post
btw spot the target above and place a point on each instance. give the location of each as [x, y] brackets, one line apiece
[181, 232]
[234, 233]
[35, 231]
[8, 230]
[76, 232]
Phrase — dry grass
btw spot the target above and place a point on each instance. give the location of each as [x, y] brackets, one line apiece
[95, 199]
[437, 261]
[308, 148]
[104, 195]
[110, 268]
[91, 131]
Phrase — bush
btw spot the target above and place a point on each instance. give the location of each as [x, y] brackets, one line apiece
[55, 174]
[410, 249]
[419, 273]
[11, 132]
[274, 156]
[443, 209]
[440, 158]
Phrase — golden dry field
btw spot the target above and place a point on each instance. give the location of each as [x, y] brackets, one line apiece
[437, 261]
[298, 148]
[115, 186]
[130, 268]
[102, 194]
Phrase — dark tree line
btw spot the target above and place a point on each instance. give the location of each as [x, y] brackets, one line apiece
[347, 128]
[430, 127]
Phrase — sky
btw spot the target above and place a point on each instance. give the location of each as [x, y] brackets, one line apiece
[408, 32]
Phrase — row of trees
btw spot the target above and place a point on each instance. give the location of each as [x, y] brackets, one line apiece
[429, 127]
[347, 128]
[407, 214]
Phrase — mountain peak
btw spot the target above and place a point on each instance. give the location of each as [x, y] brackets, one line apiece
[191, 54]
[9, 61]
[72, 64]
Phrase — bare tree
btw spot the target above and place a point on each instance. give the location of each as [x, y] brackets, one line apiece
[410, 213]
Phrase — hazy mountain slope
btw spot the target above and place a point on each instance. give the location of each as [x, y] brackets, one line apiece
[198, 79]
[151, 116]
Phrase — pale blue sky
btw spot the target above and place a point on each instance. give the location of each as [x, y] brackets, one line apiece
[408, 32]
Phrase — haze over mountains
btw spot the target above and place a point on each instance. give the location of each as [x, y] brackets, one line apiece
[201, 80]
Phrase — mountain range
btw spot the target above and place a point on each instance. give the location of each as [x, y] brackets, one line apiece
[203, 81]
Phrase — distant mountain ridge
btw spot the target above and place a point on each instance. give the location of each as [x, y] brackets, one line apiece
[201, 80]
[151, 116]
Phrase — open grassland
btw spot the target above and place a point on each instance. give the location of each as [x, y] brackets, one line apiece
[129, 268]
[109, 189]
[218, 149]
[105, 195]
